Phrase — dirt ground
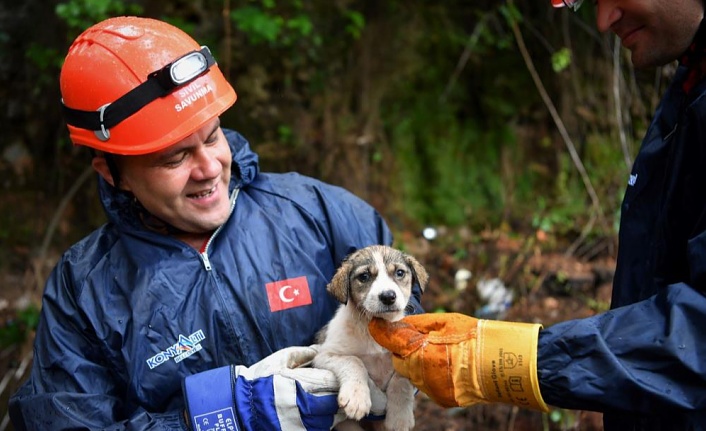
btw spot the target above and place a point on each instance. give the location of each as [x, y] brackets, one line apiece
[547, 285]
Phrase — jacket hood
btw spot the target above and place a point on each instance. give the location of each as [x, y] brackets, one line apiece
[123, 210]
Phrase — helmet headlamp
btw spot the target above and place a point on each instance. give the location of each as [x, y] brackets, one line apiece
[185, 69]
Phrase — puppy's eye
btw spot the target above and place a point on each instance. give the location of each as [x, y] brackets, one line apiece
[400, 273]
[364, 277]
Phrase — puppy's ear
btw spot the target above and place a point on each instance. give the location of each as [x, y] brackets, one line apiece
[419, 274]
[340, 283]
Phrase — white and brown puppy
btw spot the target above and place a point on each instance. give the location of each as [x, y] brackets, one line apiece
[375, 281]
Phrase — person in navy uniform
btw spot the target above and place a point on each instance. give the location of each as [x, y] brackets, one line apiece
[195, 306]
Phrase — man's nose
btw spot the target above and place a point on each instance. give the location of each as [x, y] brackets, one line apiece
[607, 14]
[207, 165]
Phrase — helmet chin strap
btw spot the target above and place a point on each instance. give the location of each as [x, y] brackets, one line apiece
[156, 224]
[152, 222]
[113, 168]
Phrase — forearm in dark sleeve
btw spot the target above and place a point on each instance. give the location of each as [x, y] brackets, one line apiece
[645, 358]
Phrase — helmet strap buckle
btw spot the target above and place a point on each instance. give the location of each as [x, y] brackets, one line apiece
[103, 134]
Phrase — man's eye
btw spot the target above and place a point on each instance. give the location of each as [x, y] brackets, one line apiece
[176, 160]
[212, 139]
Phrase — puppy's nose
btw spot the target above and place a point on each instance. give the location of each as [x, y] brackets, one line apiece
[388, 297]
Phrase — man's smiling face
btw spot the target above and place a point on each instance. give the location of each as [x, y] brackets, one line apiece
[655, 31]
[186, 184]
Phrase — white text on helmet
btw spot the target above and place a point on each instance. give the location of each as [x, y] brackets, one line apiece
[191, 94]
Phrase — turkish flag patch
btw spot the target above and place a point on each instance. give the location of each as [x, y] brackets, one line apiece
[289, 293]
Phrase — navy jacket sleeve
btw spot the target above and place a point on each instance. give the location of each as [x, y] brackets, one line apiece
[639, 358]
[71, 385]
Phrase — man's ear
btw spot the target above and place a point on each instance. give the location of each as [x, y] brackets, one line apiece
[100, 165]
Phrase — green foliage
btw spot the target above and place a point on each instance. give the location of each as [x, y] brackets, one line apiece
[547, 220]
[459, 158]
[264, 23]
[46, 60]
[260, 25]
[77, 15]
[561, 59]
[511, 14]
[459, 135]
[566, 419]
[14, 331]
[355, 23]
[81, 14]
[448, 172]
[286, 135]
[42, 57]
[597, 306]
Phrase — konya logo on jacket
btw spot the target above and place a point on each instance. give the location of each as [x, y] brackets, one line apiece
[182, 349]
[289, 293]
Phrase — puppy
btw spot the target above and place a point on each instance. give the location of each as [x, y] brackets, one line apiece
[375, 281]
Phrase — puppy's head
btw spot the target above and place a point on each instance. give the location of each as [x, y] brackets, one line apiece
[378, 280]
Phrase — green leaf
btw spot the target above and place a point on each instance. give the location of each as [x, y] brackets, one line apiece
[302, 24]
[561, 59]
[356, 23]
[555, 416]
[259, 25]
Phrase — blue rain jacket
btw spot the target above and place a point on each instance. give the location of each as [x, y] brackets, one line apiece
[643, 363]
[128, 313]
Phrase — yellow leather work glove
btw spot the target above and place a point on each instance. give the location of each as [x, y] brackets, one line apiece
[458, 360]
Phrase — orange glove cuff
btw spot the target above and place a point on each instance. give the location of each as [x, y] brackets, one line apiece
[506, 361]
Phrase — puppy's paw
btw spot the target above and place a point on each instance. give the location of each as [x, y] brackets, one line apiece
[355, 400]
[399, 420]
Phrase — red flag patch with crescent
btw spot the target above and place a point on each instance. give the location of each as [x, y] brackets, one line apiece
[289, 293]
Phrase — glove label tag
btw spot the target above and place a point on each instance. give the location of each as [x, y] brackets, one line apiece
[219, 420]
[507, 360]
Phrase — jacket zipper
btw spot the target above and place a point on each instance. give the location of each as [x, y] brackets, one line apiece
[204, 250]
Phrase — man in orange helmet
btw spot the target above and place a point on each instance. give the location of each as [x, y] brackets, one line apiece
[180, 312]
[643, 363]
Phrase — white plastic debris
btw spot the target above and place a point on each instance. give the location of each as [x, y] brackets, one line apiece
[429, 233]
[497, 298]
[461, 279]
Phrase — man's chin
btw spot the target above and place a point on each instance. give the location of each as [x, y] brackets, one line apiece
[203, 225]
[209, 225]
[640, 63]
[645, 60]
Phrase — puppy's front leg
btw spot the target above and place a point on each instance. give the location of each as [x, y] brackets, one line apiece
[400, 404]
[354, 394]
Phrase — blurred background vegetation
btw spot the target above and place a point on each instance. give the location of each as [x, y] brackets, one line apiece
[479, 113]
[473, 115]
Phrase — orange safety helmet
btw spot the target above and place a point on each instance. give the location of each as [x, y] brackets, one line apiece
[133, 85]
